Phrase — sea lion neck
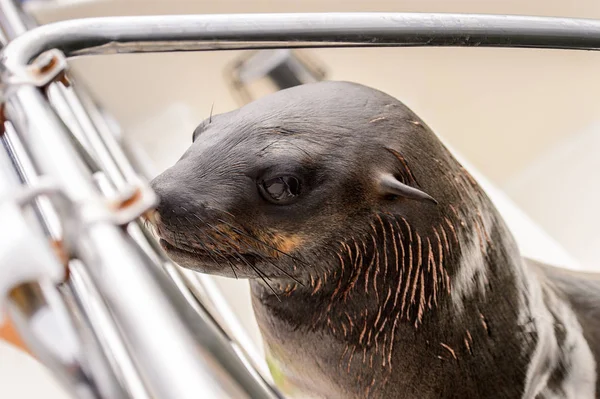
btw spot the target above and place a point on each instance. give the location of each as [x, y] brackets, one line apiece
[404, 295]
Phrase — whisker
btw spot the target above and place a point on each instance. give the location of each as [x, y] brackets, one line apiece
[211, 112]
[219, 253]
[220, 210]
[258, 272]
[231, 265]
[231, 243]
[235, 229]
[266, 259]
[268, 285]
[232, 247]
[213, 257]
[237, 255]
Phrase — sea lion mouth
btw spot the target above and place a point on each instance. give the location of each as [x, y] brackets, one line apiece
[205, 255]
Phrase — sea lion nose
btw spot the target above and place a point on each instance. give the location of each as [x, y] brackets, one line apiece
[171, 199]
[178, 202]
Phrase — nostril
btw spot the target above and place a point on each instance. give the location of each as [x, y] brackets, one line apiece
[164, 212]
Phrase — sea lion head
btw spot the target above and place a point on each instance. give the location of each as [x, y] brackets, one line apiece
[289, 186]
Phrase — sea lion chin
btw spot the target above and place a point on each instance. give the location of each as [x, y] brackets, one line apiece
[378, 266]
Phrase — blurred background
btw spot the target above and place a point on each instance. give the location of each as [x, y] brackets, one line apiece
[524, 121]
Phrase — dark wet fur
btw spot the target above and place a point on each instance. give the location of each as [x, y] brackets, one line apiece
[351, 285]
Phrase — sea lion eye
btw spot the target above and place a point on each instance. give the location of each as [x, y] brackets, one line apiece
[280, 190]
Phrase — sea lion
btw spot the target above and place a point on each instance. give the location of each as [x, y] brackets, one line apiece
[378, 266]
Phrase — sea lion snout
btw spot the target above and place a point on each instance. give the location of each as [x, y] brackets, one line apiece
[176, 202]
[179, 217]
[198, 230]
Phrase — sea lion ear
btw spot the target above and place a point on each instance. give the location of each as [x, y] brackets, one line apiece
[388, 184]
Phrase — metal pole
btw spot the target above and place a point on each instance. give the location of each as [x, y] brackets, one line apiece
[94, 312]
[139, 300]
[13, 20]
[227, 32]
[49, 330]
[86, 298]
[82, 115]
[102, 341]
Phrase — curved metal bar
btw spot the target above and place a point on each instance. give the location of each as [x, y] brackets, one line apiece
[84, 117]
[118, 271]
[48, 329]
[220, 32]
